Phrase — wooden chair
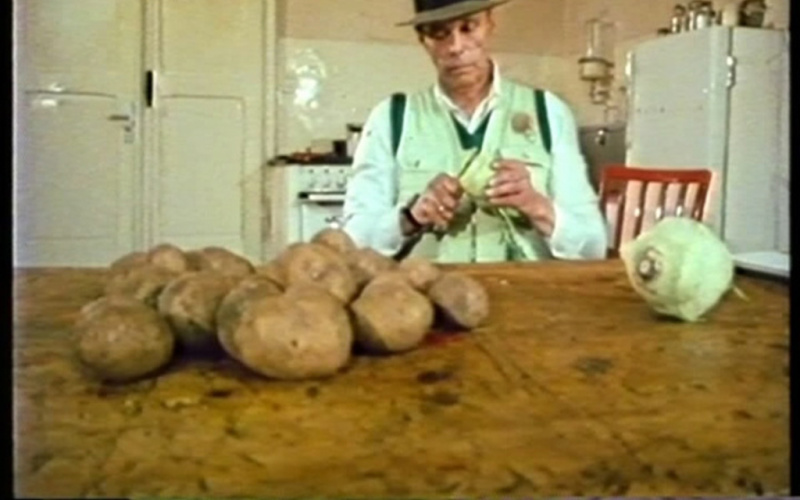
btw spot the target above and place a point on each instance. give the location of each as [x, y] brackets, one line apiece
[615, 191]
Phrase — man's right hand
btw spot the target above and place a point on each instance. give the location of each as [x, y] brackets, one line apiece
[436, 206]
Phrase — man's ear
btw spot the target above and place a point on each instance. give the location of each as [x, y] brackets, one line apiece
[490, 20]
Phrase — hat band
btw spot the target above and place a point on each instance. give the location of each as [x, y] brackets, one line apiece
[426, 5]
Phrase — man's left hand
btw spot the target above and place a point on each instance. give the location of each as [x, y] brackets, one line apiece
[511, 187]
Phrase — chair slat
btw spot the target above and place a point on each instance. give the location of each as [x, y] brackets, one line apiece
[616, 178]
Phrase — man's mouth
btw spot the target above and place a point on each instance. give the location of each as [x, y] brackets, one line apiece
[459, 68]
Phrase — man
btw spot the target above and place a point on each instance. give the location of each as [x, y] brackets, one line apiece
[405, 194]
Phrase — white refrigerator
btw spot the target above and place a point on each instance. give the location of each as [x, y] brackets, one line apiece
[718, 98]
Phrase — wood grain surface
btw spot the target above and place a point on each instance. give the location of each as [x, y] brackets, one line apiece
[573, 388]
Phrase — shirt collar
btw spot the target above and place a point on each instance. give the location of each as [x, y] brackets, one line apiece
[488, 102]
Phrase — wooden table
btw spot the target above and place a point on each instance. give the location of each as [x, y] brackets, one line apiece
[573, 388]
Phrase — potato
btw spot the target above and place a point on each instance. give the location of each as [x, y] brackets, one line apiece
[304, 333]
[420, 271]
[143, 282]
[316, 263]
[119, 339]
[221, 260]
[391, 316]
[273, 271]
[189, 304]
[391, 276]
[461, 298]
[233, 305]
[169, 257]
[195, 260]
[365, 263]
[127, 261]
[337, 239]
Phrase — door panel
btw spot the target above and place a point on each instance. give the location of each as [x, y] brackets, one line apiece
[81, 45]
[208, 123]
[200, 170]
[73, 194]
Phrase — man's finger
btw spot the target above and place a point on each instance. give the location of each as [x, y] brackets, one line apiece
[504, 189]
[504, 176]
[436, 211]
[445, 198]
[518, 166]
[512, 200]
[450, 185]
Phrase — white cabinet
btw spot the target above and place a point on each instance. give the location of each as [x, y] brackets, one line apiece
[110, 160]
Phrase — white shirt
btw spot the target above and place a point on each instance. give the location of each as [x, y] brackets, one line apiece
[372, 211]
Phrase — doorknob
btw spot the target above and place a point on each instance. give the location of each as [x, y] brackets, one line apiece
[120, 118]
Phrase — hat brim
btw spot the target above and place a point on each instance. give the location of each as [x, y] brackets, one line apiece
[451, 12]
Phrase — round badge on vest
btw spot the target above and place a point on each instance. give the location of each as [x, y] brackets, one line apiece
[522, 123]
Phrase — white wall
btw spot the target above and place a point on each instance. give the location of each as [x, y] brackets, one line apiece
[326, 84]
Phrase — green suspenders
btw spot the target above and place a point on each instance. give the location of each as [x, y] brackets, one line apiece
[544, 123]
[398, 111]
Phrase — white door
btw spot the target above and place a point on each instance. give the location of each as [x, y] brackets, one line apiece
[76, 131]
[205, 119]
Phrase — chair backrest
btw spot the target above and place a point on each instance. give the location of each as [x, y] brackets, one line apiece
[625, 209]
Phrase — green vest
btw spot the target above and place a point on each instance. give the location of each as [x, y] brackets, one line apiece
[427, 141]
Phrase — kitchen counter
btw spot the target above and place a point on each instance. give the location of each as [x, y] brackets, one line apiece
[572, 388]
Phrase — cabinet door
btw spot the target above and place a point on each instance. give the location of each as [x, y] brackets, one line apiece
[206, 123]
[76, 131]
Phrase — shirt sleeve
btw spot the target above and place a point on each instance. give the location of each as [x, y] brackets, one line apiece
[371, 212]
[579, 230]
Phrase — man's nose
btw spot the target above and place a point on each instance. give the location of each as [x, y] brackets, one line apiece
[456, 42]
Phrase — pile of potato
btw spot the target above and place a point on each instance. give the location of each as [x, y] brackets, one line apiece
[298, 316]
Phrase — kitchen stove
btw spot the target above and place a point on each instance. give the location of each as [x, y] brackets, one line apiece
[300, 200]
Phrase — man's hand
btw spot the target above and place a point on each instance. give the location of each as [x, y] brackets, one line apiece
[511, 187]
[436, 206]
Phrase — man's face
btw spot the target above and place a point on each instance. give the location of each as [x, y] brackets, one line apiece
[458, 48]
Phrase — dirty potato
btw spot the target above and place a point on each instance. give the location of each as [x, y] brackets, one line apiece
[421, 272]
[272, 270]
[169, 257]
[119, 339]
[301, 334]
[391, 276]
[189, 304]
[127, 261]
[143, 282]
[233, 305]
[462, 299]
[365, 263]
[337, 239]
[316, 263]
[391, 316]
[222, 261]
